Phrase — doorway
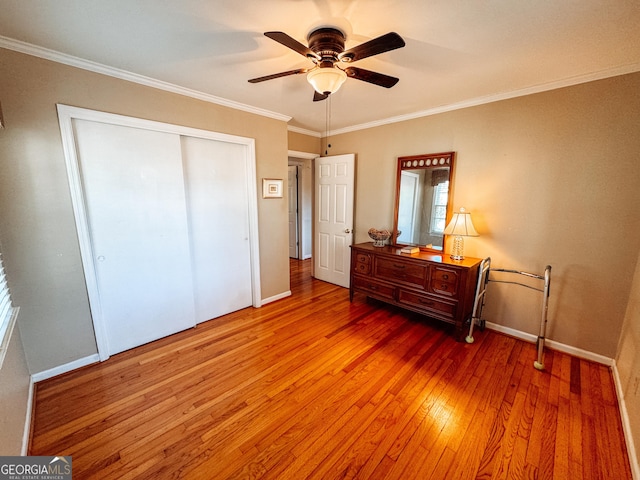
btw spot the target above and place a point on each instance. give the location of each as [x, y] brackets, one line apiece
[301, 226]
[294, 229]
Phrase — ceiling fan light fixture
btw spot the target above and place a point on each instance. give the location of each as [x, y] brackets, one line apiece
[326, 80]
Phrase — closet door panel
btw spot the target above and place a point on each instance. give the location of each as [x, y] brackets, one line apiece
[218, 211]
[135, 201]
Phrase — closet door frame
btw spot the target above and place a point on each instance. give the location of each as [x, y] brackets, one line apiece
[66, 115]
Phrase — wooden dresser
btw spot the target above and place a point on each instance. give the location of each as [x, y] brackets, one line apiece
[427, 283]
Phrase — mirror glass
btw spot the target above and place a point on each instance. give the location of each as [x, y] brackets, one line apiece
[423, 200]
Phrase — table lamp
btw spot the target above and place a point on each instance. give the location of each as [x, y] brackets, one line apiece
[460, 226]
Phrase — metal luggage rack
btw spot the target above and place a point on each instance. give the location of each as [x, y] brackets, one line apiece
[484, 275]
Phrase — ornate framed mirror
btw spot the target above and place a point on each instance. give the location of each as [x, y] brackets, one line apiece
[424, 187]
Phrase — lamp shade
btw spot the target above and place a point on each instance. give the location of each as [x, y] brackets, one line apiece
[326, 80]
[461, 225]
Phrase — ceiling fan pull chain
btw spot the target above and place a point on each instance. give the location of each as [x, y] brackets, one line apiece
[327, 125]
[327, 112]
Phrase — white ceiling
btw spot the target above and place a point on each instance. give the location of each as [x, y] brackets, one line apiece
[457, 53]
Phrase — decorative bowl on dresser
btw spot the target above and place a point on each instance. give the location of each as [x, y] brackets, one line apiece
[428, 283]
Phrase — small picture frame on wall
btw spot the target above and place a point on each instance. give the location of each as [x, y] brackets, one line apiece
[271, 188]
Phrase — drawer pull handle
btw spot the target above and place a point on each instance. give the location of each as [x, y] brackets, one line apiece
[398, 266]
[373, 287]
[427, 302]
[445, 277]
[444, 286]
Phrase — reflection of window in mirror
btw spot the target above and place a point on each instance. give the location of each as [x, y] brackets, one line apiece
[439, 211]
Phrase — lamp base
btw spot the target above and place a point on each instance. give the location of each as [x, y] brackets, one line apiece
[458, 248]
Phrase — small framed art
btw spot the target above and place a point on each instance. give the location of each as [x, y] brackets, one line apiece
[271, 188]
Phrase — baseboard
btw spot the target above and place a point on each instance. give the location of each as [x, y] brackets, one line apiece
[626, 424]
[280, 296]
[44, 375]
[561, 347]
[26, 434]
[67, 367]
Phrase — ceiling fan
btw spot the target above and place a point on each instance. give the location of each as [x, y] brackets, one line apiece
[326, 50]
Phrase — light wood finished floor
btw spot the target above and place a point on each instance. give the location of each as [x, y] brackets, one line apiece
[315, 387]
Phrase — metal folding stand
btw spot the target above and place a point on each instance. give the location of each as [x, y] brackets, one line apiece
[484, 277]
[478, 304]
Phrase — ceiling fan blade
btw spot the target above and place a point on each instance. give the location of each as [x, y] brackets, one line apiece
[371, 77]
[382, 44]
[278, 75]
[291, 43]
[317, 97]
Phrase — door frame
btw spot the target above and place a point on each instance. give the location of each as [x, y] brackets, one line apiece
[66, 115]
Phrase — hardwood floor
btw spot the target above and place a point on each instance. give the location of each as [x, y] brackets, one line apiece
[312, 386]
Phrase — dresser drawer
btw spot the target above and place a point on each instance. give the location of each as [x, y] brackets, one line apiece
[409, 273]
[362, 263]
[374, 288]
[444, 281]
[428, 303]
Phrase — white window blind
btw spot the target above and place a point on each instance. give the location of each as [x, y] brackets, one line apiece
[8, 313]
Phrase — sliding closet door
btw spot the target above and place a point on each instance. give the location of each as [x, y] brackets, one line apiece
[133, 187]
[218, 212]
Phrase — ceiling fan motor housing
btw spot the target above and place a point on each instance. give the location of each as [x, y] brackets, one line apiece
[327, 43]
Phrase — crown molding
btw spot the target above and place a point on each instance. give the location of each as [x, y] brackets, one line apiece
[47, 54]
[304, 131]
[544, 87]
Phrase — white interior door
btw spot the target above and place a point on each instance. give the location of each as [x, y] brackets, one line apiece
[135, 202]
[217, 207]
[334, 189]
[292, 187]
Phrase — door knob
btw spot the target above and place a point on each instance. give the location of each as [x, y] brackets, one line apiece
[347, 231]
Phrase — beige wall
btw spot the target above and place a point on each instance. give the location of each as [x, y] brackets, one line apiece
[37, 228]
[14, 396]
[551, 178]
[628, 361]
[299, 142]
